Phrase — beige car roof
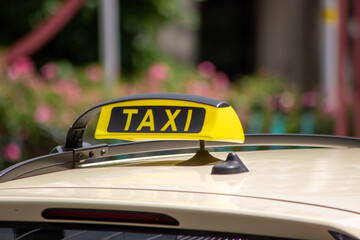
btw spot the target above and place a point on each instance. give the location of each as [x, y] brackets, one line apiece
[314, 187]
[324, 177]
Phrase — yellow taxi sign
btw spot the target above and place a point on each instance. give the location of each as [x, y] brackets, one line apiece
[169, 116]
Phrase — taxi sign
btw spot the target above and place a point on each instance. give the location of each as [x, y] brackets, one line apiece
[169, 116]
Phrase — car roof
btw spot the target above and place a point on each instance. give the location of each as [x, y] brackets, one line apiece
[310, 176]
[317, 186]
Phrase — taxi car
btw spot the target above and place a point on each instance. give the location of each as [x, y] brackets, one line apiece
[182, 191]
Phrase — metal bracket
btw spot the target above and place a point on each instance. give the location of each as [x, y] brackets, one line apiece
[82, 154]
[74, 138]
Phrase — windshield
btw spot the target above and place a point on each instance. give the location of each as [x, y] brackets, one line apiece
[35, 231]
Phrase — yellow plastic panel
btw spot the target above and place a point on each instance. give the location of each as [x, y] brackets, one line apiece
[168, 119]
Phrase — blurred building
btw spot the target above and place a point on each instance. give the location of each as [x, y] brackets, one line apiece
[278, 37]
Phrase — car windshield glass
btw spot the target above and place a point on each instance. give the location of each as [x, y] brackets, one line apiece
[92, 232]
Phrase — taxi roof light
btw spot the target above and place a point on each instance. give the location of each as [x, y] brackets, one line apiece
[169, 117]
[160, 116]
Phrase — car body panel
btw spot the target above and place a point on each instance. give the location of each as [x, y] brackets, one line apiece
[311, 191]
[204, 212]
[316, 176]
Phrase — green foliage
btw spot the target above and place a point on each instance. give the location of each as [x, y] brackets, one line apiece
[140, 22]
[78, 41]
[38, 107]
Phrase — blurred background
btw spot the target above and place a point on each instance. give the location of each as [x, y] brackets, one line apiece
[286, 66]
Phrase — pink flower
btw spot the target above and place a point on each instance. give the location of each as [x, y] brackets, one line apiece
[206, 69]
[153, 86]
[199, 88]
[286, 101]
[33, 82]
[220, 81]
[272, 102]
[49, 71]
[308, 99]
[12, 152]
[94, 73]
[158, 72]
[330, 108]
[70, 90]
[43, 114]
[21, 67]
